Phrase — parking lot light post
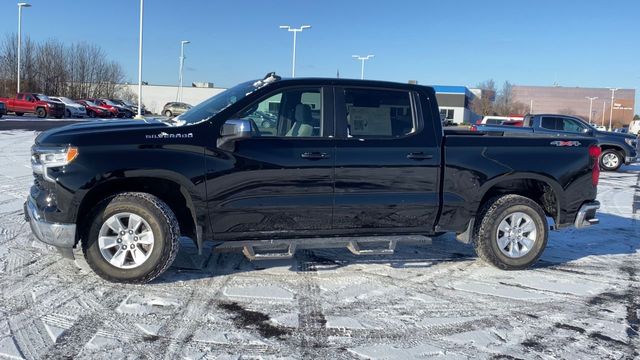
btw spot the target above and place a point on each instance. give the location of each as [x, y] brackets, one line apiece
[362, 59]
[20, 6]
[139, 116]
[295, 36]
[613, 93]
[182, 44]
[604, 109]
[590, 106]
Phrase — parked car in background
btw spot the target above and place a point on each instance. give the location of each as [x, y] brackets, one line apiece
[600, 127]
[111, 108]
[124, 110]
[172, 109]
[622, 130]
[634, 127]
[617, 149]
[31, 103]
[134, 107]
[72, 108]
[3, 109]
[94, 110]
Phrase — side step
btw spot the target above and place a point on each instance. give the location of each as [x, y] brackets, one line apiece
[285, 249]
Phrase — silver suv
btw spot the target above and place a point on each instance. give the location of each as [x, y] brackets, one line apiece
[175, 108]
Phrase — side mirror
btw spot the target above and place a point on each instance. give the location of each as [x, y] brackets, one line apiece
[233, 130]
[587, 131]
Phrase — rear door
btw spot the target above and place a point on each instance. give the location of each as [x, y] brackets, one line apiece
[387, 162]
[279, 182]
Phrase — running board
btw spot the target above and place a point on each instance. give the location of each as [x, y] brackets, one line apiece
[286, 248]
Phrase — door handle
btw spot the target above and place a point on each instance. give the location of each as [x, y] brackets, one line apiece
[419, 156]
[314, 155]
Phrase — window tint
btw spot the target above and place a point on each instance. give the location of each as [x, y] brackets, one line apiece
[571, 125]
[378, 113]
[550, 123]
[291, 113]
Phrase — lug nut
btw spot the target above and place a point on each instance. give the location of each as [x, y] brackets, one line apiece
[135, 238]
[122, 232]
[124, 247]
[119, 240]
[130, 231]
[133, 246]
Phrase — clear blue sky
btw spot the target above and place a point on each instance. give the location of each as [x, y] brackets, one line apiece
[588, 43]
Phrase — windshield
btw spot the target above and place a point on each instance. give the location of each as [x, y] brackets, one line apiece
[111, 103]
[214, 105]
[90, 103]
[42, 97]
[67, 100]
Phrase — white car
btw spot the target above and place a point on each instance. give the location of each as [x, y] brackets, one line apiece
[601, 127]
[498, 120]
[72, 108]
[634, 127]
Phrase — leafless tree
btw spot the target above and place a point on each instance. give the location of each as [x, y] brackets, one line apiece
[78, 70]
[484, 105]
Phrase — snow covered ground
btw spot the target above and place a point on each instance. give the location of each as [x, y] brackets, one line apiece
[582, 300]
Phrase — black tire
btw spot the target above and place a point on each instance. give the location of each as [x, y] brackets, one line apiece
[168, 113]
[163, 224]
[611, 153]
[19, 114]
[67, 113]
[41, 112]
[485, 237]
[91, 114]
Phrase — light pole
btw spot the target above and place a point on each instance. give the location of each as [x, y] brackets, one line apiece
[362, 59]
[20, 6]
[613, 93]
[590, 106]
[295, 36]
[604, 110]
[531, 106]
[139, 116]
[182, 44]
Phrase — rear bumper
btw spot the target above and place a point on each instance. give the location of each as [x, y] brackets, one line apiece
[587, 215]
[59, 235]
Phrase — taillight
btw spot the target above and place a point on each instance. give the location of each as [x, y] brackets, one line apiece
[473, 128]
[594, 153]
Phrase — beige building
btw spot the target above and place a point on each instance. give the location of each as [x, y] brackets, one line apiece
[574, 101]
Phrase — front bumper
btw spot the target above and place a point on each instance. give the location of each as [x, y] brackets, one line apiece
[59, 235]
[630, 159]
[587, 215]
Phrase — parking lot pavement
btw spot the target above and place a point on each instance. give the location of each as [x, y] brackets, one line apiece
[581, 301]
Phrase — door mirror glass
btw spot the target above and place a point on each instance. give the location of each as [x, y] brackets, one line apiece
[233, 130]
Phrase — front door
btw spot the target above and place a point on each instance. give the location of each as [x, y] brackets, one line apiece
[280, 181]
[387, 162]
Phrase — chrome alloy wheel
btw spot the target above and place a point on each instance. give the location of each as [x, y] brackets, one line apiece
[125, 240]
[516, 234]
[610, 160]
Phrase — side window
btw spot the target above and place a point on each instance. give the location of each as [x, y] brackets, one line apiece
[571, 125]
[379, 113]
[28, 98]
[550, 123]
[291, 113]
[20, 97]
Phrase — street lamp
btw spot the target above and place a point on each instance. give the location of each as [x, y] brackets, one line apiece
[20, 6]
[182, 44]
[295, 33]
[613, 92]
[590, 106]
[139, 116]
[363, 59]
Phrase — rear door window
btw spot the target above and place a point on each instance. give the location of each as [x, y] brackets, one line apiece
[551, 123]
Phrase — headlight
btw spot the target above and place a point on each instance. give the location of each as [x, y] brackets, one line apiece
[43, 158]
[631, 142]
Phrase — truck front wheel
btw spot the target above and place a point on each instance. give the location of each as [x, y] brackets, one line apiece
[611, 160]
[42, 113]
[132, 238]
[511, 232]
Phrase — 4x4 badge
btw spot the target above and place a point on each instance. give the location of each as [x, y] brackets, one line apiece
[566, 143]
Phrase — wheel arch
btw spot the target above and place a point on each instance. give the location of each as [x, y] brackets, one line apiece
[174, 194]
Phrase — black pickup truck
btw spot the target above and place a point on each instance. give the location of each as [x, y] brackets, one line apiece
[617, 148]
[352, 163]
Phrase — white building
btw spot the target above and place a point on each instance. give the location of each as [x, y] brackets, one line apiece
[155, 96]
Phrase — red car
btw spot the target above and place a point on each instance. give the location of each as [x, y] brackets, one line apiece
[37, 104]
[112, 109]
[94, 110]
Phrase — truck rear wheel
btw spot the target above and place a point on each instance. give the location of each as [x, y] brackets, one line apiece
[42, 113]
[132, 238]
[511, 232]
[611, 160]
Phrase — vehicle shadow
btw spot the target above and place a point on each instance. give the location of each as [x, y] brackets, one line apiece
[615, 235]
